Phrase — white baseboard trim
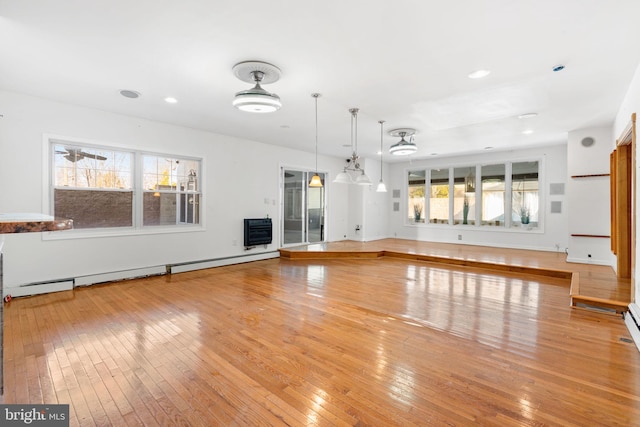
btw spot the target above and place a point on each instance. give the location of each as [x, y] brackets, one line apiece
[589, 261]
[632, 320]
[38, 288]
[219, 262]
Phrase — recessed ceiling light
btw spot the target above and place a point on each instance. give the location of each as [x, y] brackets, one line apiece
[379, 153]
[478, 74]
[285, 126]
[527, 115]
[527, 131]
[130, 93]
[488, 148]
[170, 100]
[434, 154]
[558, 67]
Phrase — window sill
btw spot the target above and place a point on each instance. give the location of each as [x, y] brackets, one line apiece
[120, 232]
[489, 228]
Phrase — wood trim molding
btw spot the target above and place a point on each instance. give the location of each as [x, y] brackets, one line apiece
[628, 135]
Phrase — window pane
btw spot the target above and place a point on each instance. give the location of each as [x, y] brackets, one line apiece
[171, 190]
[524, 194]
[87, 167]
[493, 188]
[416, 193]
[94, 208]
[439, 197]
[464, 195]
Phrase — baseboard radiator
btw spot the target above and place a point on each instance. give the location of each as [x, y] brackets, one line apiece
[632, 320]
[114, 276]
[219, 262]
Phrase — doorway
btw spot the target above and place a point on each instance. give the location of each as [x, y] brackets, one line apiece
[303, 208]
[623, 202]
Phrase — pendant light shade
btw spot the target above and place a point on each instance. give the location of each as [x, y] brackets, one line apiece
[343, 178]
[353, 163]
[256, 99]
[403, 147]
[363, 179]
[381, 187]
[315, 179]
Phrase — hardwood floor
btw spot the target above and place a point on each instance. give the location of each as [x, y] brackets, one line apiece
[592, 285]
[380, 342]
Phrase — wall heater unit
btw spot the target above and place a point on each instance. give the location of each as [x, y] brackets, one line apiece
[257, 231]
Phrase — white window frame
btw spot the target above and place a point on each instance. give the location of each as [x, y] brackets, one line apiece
[137, 228]
[508, 225]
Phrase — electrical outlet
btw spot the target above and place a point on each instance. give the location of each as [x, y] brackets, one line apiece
[459, 236]
[234, 243]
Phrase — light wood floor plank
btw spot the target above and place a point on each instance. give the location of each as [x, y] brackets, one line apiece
[380, 341]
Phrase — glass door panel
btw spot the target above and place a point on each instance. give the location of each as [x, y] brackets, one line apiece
[303, 208]
[293, 219]
[315, 212]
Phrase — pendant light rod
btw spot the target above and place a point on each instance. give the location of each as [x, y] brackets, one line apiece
[354, 129]
[316, 96]
[382, 188]
[315, 180]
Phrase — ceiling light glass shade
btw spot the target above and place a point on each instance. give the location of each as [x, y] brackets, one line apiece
[381, 187]
[403, 148]
[363, 179]
[343, 178]
[315, 181]
[257, 100]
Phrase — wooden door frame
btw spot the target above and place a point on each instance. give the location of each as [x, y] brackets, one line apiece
[623, 183]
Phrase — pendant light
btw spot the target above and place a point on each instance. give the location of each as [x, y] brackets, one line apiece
[381, 187]
[256, 99]
[353, 164]
[315, 179]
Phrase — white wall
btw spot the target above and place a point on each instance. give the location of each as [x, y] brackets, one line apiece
[376, 205]
[631, 104]
[238, 176]
[552, 236]
[589, 198]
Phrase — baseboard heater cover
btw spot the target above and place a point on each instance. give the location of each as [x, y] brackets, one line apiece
[632, 320]
[120, 275]
[219, 262]
[38, 288]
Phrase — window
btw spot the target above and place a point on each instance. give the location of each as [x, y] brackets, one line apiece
[416, 193]
[92, 186]
[97, 187]
[494, 195]
[464, 195]
[524, 194]
[170, 190]
[493, 186]
[439, 197]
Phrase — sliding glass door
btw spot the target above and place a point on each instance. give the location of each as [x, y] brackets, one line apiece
[303, 208]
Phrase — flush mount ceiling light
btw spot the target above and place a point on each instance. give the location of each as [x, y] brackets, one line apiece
[403, 147]
[353, 163]
[256, 99]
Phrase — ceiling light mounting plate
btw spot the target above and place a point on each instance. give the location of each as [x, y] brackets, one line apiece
[401, 132]
[246, 70]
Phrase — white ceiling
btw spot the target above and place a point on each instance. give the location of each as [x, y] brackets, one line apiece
[405, 62]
